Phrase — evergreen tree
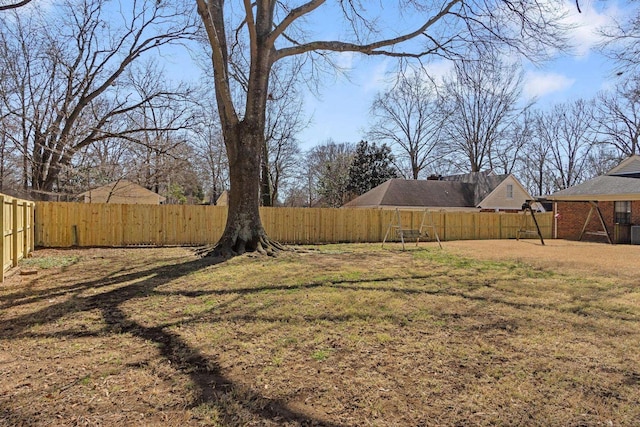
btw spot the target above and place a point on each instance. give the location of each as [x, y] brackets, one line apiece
[371, 166]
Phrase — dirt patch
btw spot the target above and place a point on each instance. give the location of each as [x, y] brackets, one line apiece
[479, 333]
[559, 255]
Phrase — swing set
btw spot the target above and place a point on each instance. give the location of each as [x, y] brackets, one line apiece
[404, 234]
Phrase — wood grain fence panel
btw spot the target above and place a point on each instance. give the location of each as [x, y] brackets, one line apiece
[16, 231]
[133, 226]
[511, 225]
[315, 221]
[7, 220]
[488, 225]
[65, 224]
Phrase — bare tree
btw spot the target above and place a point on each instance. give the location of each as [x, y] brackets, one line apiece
[409, 118]
[567, 132]
[271, 31]
[322, 176]
[618, 116]
[158, 129]
[69, 68]
[601, 159]
[481, 101]
[284, 121]
[284, 116]
[622, 40]
[304, 191]
[283, 156]
[157, 155]
[9, 164]
[212, 157]
[330, 163]
[509, 150]
[100, 163]
[535, 162]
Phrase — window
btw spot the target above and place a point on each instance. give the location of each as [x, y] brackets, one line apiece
[509, 191]
[622, 212]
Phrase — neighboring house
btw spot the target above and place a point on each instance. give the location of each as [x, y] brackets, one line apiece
[125, 192]
[479, 191]
[602, 208]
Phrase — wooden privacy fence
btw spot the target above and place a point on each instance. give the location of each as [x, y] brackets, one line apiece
[16, 217]
[77, 224]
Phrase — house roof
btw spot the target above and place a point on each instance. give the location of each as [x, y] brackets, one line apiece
[621, 183]
[629, 166]
[121, 189]
[602, 188]
[466, 190]
[483, 183]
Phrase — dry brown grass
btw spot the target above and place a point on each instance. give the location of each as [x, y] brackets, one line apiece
[480, 333]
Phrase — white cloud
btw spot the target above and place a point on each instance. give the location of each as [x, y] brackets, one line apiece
[437, 70]
[586, 23]
[377, 77]
[539, 84]
[344, 60]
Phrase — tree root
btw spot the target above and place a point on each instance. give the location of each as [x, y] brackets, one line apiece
[227, 248]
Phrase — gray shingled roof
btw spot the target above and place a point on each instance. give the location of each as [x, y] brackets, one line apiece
[602, 188]
[483, 183]
[628, 167]
[458, 191]
[621, 183]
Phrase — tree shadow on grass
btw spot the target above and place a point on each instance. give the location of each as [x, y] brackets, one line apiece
[212, 386]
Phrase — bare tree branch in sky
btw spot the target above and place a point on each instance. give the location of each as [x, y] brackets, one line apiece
[409, 117]
[4, 5]
[622, 41]
[481, 103]
[567, 130]
[618, 115]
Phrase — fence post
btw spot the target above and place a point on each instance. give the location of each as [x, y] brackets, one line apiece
[444, 227]
[32, 234]
[14, 227]
[25, 229]
[2, 237]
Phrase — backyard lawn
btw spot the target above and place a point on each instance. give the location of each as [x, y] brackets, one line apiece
[480, 333]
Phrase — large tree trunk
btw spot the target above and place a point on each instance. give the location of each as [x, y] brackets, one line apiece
[244, 231]
[243, 138]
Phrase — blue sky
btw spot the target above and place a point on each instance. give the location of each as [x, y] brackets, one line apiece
[341, 112]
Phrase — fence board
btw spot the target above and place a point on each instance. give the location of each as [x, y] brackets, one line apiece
[16, 220]
[60, 224]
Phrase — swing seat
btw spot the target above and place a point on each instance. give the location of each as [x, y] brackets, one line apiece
[407, 234]
[411, 234]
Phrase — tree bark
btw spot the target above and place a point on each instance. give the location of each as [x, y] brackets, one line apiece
[266, 193]
[244, 231]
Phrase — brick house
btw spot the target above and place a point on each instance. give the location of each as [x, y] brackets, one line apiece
[603, 208]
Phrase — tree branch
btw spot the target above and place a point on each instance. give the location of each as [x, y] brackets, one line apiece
[14, 5]
[371, 48]
[251, 26]
[214, 26]
[292, 16]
